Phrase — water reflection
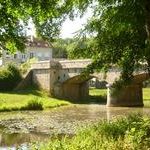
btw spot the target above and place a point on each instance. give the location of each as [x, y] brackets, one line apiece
[15, 139]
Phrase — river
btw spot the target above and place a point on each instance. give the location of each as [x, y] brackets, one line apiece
[22, 127]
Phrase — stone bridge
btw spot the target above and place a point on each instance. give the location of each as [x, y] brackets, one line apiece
[64, 79]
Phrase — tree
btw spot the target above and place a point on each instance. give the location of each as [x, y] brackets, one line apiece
[120, 30]
[47, 16]
[60, 48]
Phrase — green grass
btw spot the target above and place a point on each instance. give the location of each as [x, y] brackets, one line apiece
[103, 92]
[127, 133]
[146, 94]
[98, 92]
[21, 100]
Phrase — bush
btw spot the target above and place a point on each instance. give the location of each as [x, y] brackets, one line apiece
[33, 104]
[9, 78]
[24, 67]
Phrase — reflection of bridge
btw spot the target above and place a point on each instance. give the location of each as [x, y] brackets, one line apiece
[63, 79]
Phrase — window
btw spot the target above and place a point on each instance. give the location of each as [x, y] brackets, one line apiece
[31, 55]
[23, 56]
[15, 56]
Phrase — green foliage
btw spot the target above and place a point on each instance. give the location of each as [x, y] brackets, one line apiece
[81, 48]
[72, 48]
[60, 48]
[120, 31]
[24, 67]
[9, 77]
[128, 133]
[46, 15]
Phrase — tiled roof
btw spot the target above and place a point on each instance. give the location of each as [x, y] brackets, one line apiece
[34, 42]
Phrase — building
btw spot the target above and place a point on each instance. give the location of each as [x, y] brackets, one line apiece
[35, 48]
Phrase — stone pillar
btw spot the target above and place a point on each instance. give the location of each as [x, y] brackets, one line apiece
[128, 96]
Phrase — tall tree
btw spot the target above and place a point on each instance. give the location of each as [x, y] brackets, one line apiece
[121, 33]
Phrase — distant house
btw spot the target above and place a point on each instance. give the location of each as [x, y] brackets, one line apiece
[35, 48]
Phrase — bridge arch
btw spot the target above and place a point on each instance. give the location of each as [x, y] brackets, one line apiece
[74, 88]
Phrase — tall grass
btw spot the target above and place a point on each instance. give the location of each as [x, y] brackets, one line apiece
[33, 104]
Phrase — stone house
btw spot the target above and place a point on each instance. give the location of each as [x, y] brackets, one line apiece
[35, 48]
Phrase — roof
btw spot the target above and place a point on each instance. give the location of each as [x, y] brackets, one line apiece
[35, 42]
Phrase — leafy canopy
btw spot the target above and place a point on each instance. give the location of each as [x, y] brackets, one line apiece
[120, 31]
[46, 15]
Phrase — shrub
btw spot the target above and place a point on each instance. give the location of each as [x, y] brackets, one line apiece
[24, 67]
[9, 78]
[33, 104]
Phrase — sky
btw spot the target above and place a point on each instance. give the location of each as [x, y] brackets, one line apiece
[68, 27]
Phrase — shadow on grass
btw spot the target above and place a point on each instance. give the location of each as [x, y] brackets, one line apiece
[102, 100]
[28, 91]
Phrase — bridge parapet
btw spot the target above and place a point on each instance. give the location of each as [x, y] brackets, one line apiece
[75, 63]
[46, 65]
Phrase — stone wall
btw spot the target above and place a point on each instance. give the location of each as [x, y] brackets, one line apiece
[41, 78]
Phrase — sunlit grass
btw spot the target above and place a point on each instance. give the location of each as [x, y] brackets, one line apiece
[19, 100]
[97, 92]
[146, 94]
[103, 92]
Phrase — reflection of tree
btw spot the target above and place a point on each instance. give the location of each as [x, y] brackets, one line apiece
[14, 139]
[17, 139]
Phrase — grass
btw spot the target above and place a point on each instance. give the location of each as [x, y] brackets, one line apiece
[103, 93]
[127, 133]
[98, 92]
[22, 100]
[146, 94]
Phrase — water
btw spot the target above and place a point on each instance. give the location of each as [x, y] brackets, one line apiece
[21, 128]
